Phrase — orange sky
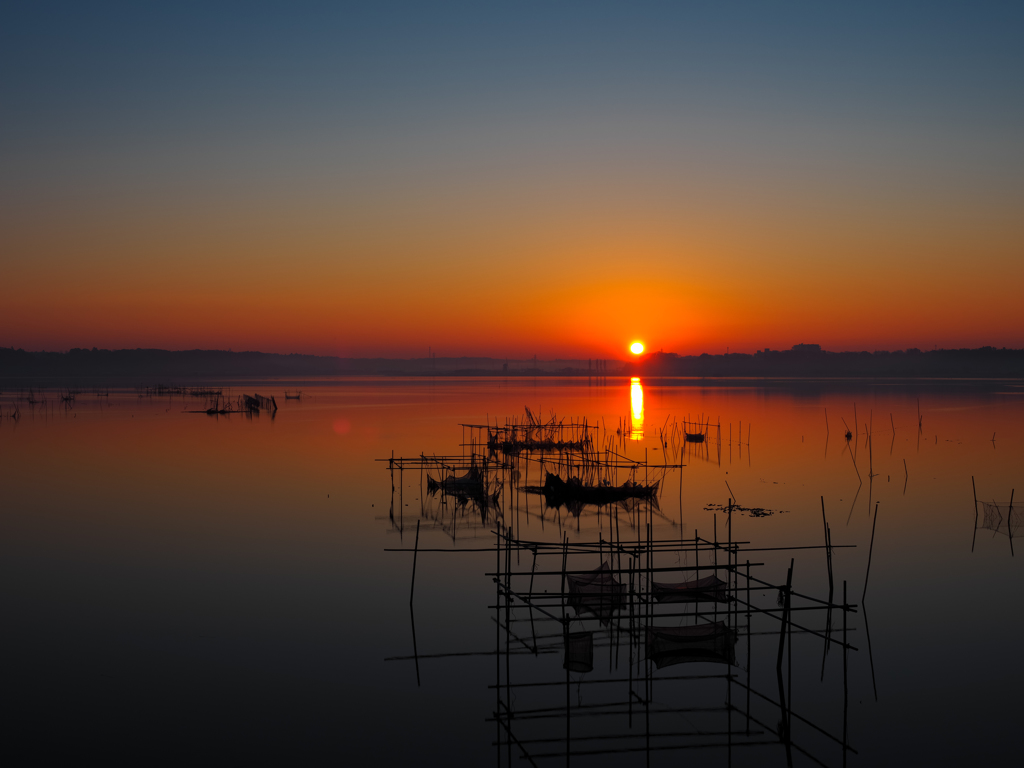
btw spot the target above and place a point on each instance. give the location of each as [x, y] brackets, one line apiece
[499, 189]
[575, 288]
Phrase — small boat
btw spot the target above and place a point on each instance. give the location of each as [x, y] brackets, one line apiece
[559, 491]
[713, 642]
[710, 589]
[469, 484]
[694, 437]
[296, 396]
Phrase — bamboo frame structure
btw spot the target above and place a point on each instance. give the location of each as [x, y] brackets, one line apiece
[541, 611]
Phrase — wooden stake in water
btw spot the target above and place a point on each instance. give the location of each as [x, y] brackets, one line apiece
[855, 436]
[973, 488]
[1009, 522]
[871, 461]
[846, 687]
[828, 550]
[415, 552]
[785, 617]
[871, 548]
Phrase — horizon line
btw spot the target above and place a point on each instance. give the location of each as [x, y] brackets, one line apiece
[802, 347]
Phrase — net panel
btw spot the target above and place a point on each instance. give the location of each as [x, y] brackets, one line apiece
[1001, 517]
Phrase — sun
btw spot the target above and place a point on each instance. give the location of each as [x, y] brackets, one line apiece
[636, 348]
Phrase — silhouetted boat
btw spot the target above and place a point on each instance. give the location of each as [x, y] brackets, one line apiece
[558, 491]
[692, 437]
[473, 483]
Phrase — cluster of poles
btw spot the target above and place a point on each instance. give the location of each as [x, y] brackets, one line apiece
[633, 706]
[512, 462]
[539, 610]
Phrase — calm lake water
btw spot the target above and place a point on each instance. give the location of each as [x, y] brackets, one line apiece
[217, 588]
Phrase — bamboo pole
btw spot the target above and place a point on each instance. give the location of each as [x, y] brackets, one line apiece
[1009, 522]
[871, 549]
[785, 618]
[846, 685]
[412, 588]
[828, 549]
[975, 490]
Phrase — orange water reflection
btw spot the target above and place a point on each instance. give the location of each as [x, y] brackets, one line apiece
[636, 401]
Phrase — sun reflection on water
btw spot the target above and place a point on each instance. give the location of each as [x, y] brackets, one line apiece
[636, 401]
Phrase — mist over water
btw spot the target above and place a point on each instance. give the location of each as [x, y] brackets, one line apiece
[177, 585]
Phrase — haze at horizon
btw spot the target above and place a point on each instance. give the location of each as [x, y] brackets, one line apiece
[509, 182]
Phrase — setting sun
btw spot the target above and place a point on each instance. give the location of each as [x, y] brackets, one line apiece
[636, 347]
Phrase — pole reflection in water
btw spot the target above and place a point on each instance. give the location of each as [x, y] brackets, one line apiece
[636, 401]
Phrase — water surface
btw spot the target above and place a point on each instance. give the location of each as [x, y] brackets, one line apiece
[177, 585]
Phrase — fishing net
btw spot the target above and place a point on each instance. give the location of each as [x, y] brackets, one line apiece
[708, 589]
[579, 652]
[1000, 517]
[711, 642]
[597, 592]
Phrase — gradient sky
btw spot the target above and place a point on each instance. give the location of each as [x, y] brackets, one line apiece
[548, 178]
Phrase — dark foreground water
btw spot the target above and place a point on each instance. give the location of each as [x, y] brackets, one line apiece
[177, 586]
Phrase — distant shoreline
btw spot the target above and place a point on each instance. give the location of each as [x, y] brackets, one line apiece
[802, 364]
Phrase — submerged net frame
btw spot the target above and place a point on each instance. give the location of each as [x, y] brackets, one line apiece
[533, 621]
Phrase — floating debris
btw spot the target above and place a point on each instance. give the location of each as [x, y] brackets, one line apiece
[750, 511]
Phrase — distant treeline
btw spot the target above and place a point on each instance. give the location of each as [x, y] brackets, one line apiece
[810, 361]
[148, 366]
